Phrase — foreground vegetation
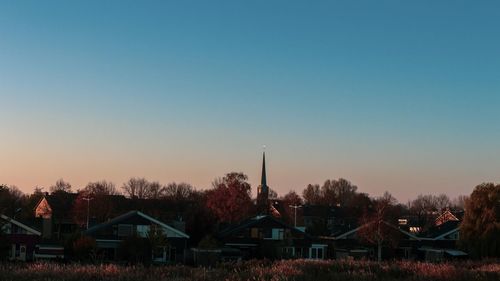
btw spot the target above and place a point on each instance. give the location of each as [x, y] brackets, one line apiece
[259, 270]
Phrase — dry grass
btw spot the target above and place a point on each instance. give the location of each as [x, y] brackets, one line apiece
[258, 270]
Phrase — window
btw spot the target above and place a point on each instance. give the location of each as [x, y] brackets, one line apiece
[254, 233]
[143, 230]
[278, 233]
[317, 252]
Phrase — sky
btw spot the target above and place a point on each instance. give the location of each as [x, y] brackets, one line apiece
[402, 96]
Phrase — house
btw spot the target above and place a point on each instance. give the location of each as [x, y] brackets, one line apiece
[350, 244]
[23, 238]
[55, 212]
[111, 235]
[265, 236]
[440, 242]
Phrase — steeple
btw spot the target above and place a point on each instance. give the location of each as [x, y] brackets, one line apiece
[263, 180]
[263, 189]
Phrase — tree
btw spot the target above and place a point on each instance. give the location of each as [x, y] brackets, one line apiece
[158, 240]
[458, 203]
[442, 202]
[480, 228]
[137, 188]
[291, 199]
[95, 201]
[154, 190]
[375, 226]
[199, 219]
[12, 200]
[337, 192]
[424, 207]
[230, 199]
[61, 186]
[312, 194]
[101, 188]
[177, 192]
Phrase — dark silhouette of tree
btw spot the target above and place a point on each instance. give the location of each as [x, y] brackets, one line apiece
[154, 190]
[288, 213]
[137, 188]
[443, 202]
[230, 199]
[337, 192]
[60, 186]
[4, 242]
[376, 226]
[12, 200]
[101, 188]
[312, 195]
[200, 221]
[292, 198]
[480, 228]
[96, 202]
[177, 192]
[157, 239]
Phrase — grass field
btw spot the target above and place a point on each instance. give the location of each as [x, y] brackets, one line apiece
[258, 270]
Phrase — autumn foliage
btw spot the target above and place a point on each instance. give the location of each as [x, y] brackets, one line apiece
[230, 200]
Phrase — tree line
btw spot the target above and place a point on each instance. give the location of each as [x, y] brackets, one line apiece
[229, 200]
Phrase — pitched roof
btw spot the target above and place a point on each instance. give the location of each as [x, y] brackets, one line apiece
[345, 234]
[438, 232]
[60, 202]
[131, 214]
[21, 225]
[255, 221]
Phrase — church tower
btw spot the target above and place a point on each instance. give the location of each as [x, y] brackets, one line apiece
[263, 189]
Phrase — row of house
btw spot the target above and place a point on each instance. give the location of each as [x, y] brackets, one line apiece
[262, 236]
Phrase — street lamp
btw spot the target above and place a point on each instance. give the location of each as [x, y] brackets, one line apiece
[88, 208]
[295, 207]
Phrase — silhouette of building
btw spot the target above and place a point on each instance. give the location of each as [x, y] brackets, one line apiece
[263, 190]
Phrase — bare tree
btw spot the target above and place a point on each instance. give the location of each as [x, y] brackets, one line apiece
[101, 188]
[177, 191]
[459, 202]
[61, 186]
[136, 188]
[154, 190]
[375, 227]
[442, 202]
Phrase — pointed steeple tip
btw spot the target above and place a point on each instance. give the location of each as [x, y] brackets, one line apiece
[263, 181]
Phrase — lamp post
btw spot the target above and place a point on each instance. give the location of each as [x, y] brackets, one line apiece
[88, 209]
[295, 207]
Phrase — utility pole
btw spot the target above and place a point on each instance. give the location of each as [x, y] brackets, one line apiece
[88, 209]
[295, 207]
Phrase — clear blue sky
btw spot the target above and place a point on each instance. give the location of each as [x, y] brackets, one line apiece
[401, 96]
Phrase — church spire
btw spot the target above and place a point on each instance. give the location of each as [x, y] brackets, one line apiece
[263, 189]
[263, 180]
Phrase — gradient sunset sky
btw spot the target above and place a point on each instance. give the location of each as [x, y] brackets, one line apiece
[401, 96]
